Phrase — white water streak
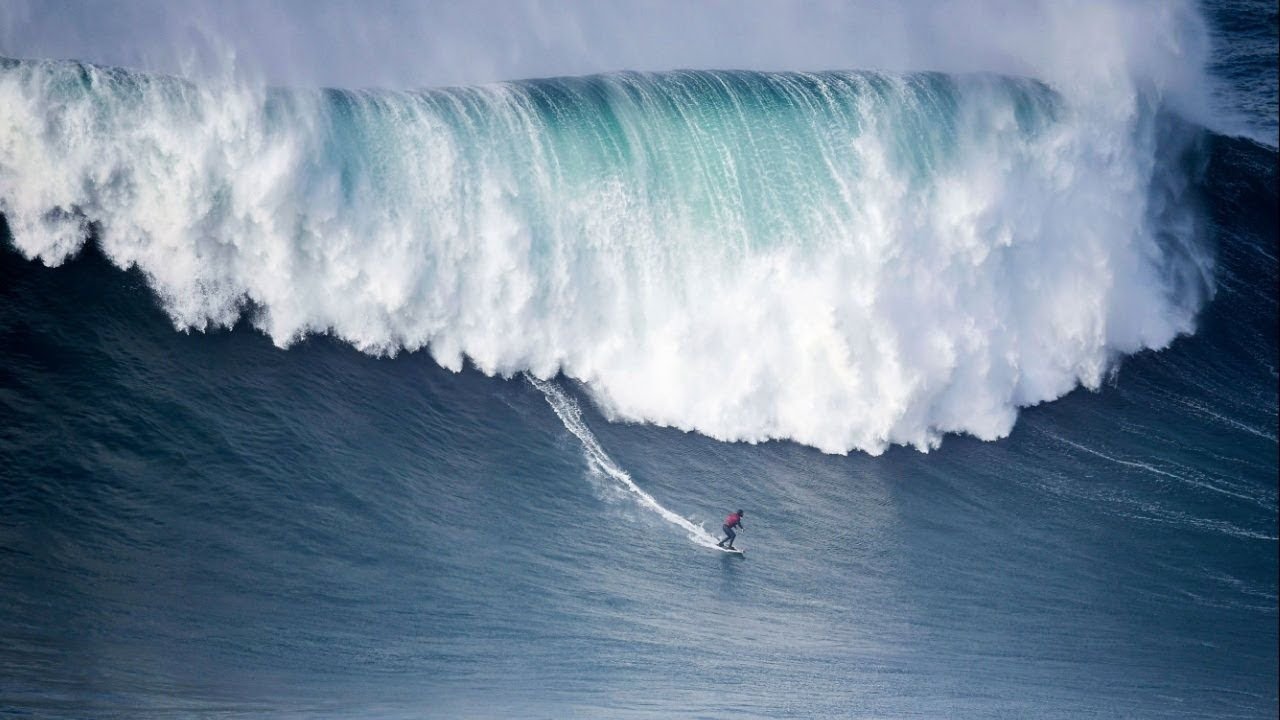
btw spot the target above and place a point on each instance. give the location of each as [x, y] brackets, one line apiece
[570, 414]
[1157, 471]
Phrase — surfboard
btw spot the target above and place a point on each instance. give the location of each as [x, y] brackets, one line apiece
[733, 551]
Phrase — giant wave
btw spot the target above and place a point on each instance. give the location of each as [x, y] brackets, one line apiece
[844, 259]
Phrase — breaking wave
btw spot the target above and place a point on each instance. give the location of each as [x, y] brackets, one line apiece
[844, 259]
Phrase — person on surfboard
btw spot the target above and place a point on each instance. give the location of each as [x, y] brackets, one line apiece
[733, 521]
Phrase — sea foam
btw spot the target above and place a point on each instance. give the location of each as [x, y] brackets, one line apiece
[847, 260]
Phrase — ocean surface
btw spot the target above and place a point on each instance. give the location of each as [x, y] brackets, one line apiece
[399, 404]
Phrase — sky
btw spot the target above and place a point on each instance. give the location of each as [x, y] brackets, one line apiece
[388, 43]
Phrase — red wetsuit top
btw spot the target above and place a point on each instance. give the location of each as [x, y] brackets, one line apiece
[732, 520]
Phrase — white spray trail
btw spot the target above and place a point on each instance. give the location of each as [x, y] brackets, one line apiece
[571, 415]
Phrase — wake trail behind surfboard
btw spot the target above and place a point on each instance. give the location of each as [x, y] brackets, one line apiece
[571, 415]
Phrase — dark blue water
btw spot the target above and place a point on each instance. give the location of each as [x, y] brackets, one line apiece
[203, 524]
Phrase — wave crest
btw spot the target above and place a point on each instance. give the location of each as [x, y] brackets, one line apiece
[847, 260]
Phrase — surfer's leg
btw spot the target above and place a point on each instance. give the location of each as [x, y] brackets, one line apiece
[729, 531]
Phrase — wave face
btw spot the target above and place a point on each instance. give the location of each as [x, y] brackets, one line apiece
[848, 260]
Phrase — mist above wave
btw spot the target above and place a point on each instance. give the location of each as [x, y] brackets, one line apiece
[847, 260]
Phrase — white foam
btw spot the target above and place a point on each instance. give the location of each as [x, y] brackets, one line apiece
[867, 260]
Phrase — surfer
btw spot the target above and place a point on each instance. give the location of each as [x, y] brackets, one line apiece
[733, 521]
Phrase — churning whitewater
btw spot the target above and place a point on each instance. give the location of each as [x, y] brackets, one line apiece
[845, 259]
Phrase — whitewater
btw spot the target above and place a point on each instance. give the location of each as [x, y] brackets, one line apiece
[845, 259]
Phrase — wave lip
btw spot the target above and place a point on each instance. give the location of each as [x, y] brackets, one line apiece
[846, 260]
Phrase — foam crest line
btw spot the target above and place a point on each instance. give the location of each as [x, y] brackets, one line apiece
[843, 259]
[566, 408]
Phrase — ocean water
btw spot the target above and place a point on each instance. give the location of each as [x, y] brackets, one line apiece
[374, 403]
